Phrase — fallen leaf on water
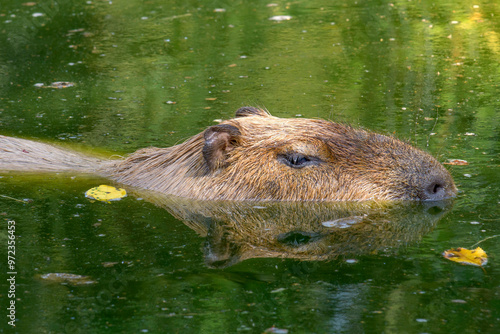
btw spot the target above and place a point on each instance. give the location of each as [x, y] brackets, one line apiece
[108, 264]
[276, 330]
[61, 84]
[456, 162]
[458, 301]
[57, 84]
[474, 257]
[279, 18]
[106, 193]
[65, 278]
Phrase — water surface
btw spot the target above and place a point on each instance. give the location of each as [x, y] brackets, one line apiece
[156, 72]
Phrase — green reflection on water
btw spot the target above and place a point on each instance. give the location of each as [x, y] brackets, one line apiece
[152, 73]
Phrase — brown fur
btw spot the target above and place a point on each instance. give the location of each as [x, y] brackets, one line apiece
[250, 157]
[29, 156]
[355, 164]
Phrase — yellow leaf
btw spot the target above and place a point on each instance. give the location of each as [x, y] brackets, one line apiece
[474, 257]
[106, 193]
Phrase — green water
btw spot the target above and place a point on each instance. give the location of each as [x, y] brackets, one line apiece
[157, 72]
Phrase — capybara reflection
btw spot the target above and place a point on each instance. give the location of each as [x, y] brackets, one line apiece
[312, 231]
[256, 156]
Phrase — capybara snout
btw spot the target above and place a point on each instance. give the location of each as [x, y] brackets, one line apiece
[256, 156]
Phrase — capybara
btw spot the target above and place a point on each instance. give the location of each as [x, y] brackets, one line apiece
[256, 156]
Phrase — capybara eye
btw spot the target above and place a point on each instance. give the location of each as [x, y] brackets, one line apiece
[297, 160]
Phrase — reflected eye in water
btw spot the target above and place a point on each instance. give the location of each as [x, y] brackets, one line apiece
[297, 238]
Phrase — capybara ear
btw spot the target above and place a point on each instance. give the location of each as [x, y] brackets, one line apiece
[251, 111]
[219, 141]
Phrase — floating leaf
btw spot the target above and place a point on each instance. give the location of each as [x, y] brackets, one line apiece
[57, 84]
[65, 278]
[279, 18]
[108, 264]
[61, 84]
[276, 330]
[106, 193]
[474, 257]
[456, 162]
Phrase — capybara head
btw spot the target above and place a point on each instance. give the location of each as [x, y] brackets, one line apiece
[256, 156]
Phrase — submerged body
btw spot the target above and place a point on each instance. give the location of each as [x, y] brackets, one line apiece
[256, 156]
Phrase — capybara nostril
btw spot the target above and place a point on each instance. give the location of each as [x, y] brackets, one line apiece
[439, 189]
[436, 188]
[435, 191]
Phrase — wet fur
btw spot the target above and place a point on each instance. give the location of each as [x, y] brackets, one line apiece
[239, 159]
[356, 164]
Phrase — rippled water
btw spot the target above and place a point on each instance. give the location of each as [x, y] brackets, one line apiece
[156, 73]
